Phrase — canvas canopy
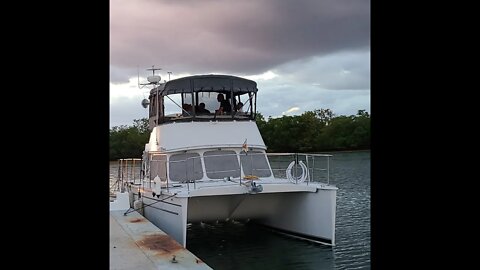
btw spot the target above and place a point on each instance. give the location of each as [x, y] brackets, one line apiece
[208, 83]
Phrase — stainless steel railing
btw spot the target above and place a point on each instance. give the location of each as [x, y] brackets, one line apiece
[128, 170]
[302, 167]
[295, 167]
[317, 165]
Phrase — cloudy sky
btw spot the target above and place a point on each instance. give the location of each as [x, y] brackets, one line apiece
[303, 54]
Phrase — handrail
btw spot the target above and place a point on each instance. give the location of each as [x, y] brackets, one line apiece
[276, 165]
[128, 170]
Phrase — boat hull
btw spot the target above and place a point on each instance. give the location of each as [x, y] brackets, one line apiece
[306, 214]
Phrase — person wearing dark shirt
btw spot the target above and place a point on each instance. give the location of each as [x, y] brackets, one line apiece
[201, 109]
[239, 107]
[225, 106]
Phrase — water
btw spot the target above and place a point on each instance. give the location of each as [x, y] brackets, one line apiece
[236, 246]
[247, 246]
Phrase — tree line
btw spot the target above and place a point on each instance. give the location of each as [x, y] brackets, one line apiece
[129, 141]
[315, 131]
[312, 131]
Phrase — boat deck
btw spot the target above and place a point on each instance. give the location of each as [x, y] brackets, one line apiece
[224, 187]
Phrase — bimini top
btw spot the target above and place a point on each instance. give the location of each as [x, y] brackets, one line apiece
[209, 83]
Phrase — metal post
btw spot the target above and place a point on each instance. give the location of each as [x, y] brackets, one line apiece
[119, 179]
[328, 170]
[313, 166]
[121, 169]
[166, 166]
[186, 173]
[157, 103]
[240, 168]
[129, 171]
[133, 169]
[194, 178]
[149, 171]
[126, 169]
[142, 183]
[308, 168]
[296, 167]
[144, 168]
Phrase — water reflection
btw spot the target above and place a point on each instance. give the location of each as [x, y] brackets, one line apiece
[239, 245]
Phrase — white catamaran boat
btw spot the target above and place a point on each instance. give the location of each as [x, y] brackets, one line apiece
[206, 163]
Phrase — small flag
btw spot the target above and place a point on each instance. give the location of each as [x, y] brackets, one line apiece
[245, 146]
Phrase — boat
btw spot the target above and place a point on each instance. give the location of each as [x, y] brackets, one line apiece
[207, 163]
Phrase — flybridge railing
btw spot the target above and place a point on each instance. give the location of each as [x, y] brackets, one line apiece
[301, 166]
[295, 167]
[128, 171]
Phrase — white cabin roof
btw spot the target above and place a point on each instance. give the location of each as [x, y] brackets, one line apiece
[197, 135]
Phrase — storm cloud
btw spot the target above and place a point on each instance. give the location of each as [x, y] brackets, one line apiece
[313, 47]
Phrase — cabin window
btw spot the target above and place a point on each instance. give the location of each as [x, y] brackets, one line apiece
[158, 166]
[221, 163]
[173, 105]
[185, 167]
[255, 163]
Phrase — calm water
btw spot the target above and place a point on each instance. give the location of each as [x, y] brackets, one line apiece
[235, 245]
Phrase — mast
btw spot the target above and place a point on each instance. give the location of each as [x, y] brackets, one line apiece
[155, 81]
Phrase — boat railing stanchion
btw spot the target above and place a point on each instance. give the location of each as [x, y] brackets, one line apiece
[194, 178]
[166, 173]
[313, 166]
[133, 169]
[119, 179]
[328, 170]
[144, 169]
[186, 172]
[308, 168]
[240, 168]
[149, 171]
[126, 170]
[142, 184]
[296, 165]
[121, 170]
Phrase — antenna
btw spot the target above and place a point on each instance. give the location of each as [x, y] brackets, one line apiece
[153, 69]
[152, 80]
[169, 72]
[138, 77]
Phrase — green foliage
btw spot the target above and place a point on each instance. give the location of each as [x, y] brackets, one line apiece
[315, 131]
[129, 141]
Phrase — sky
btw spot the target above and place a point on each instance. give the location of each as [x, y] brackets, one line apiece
[303, 54]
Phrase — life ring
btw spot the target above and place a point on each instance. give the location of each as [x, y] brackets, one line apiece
[300, 179]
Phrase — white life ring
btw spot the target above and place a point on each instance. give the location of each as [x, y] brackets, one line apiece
[300, 179]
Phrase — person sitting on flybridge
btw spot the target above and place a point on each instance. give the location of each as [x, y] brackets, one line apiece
[186, 109]
[201, 109]
[225, 106]
[239, 107]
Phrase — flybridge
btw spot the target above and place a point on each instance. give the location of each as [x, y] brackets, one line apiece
[202, 98]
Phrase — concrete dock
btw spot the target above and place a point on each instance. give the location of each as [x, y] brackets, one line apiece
[135, 243]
